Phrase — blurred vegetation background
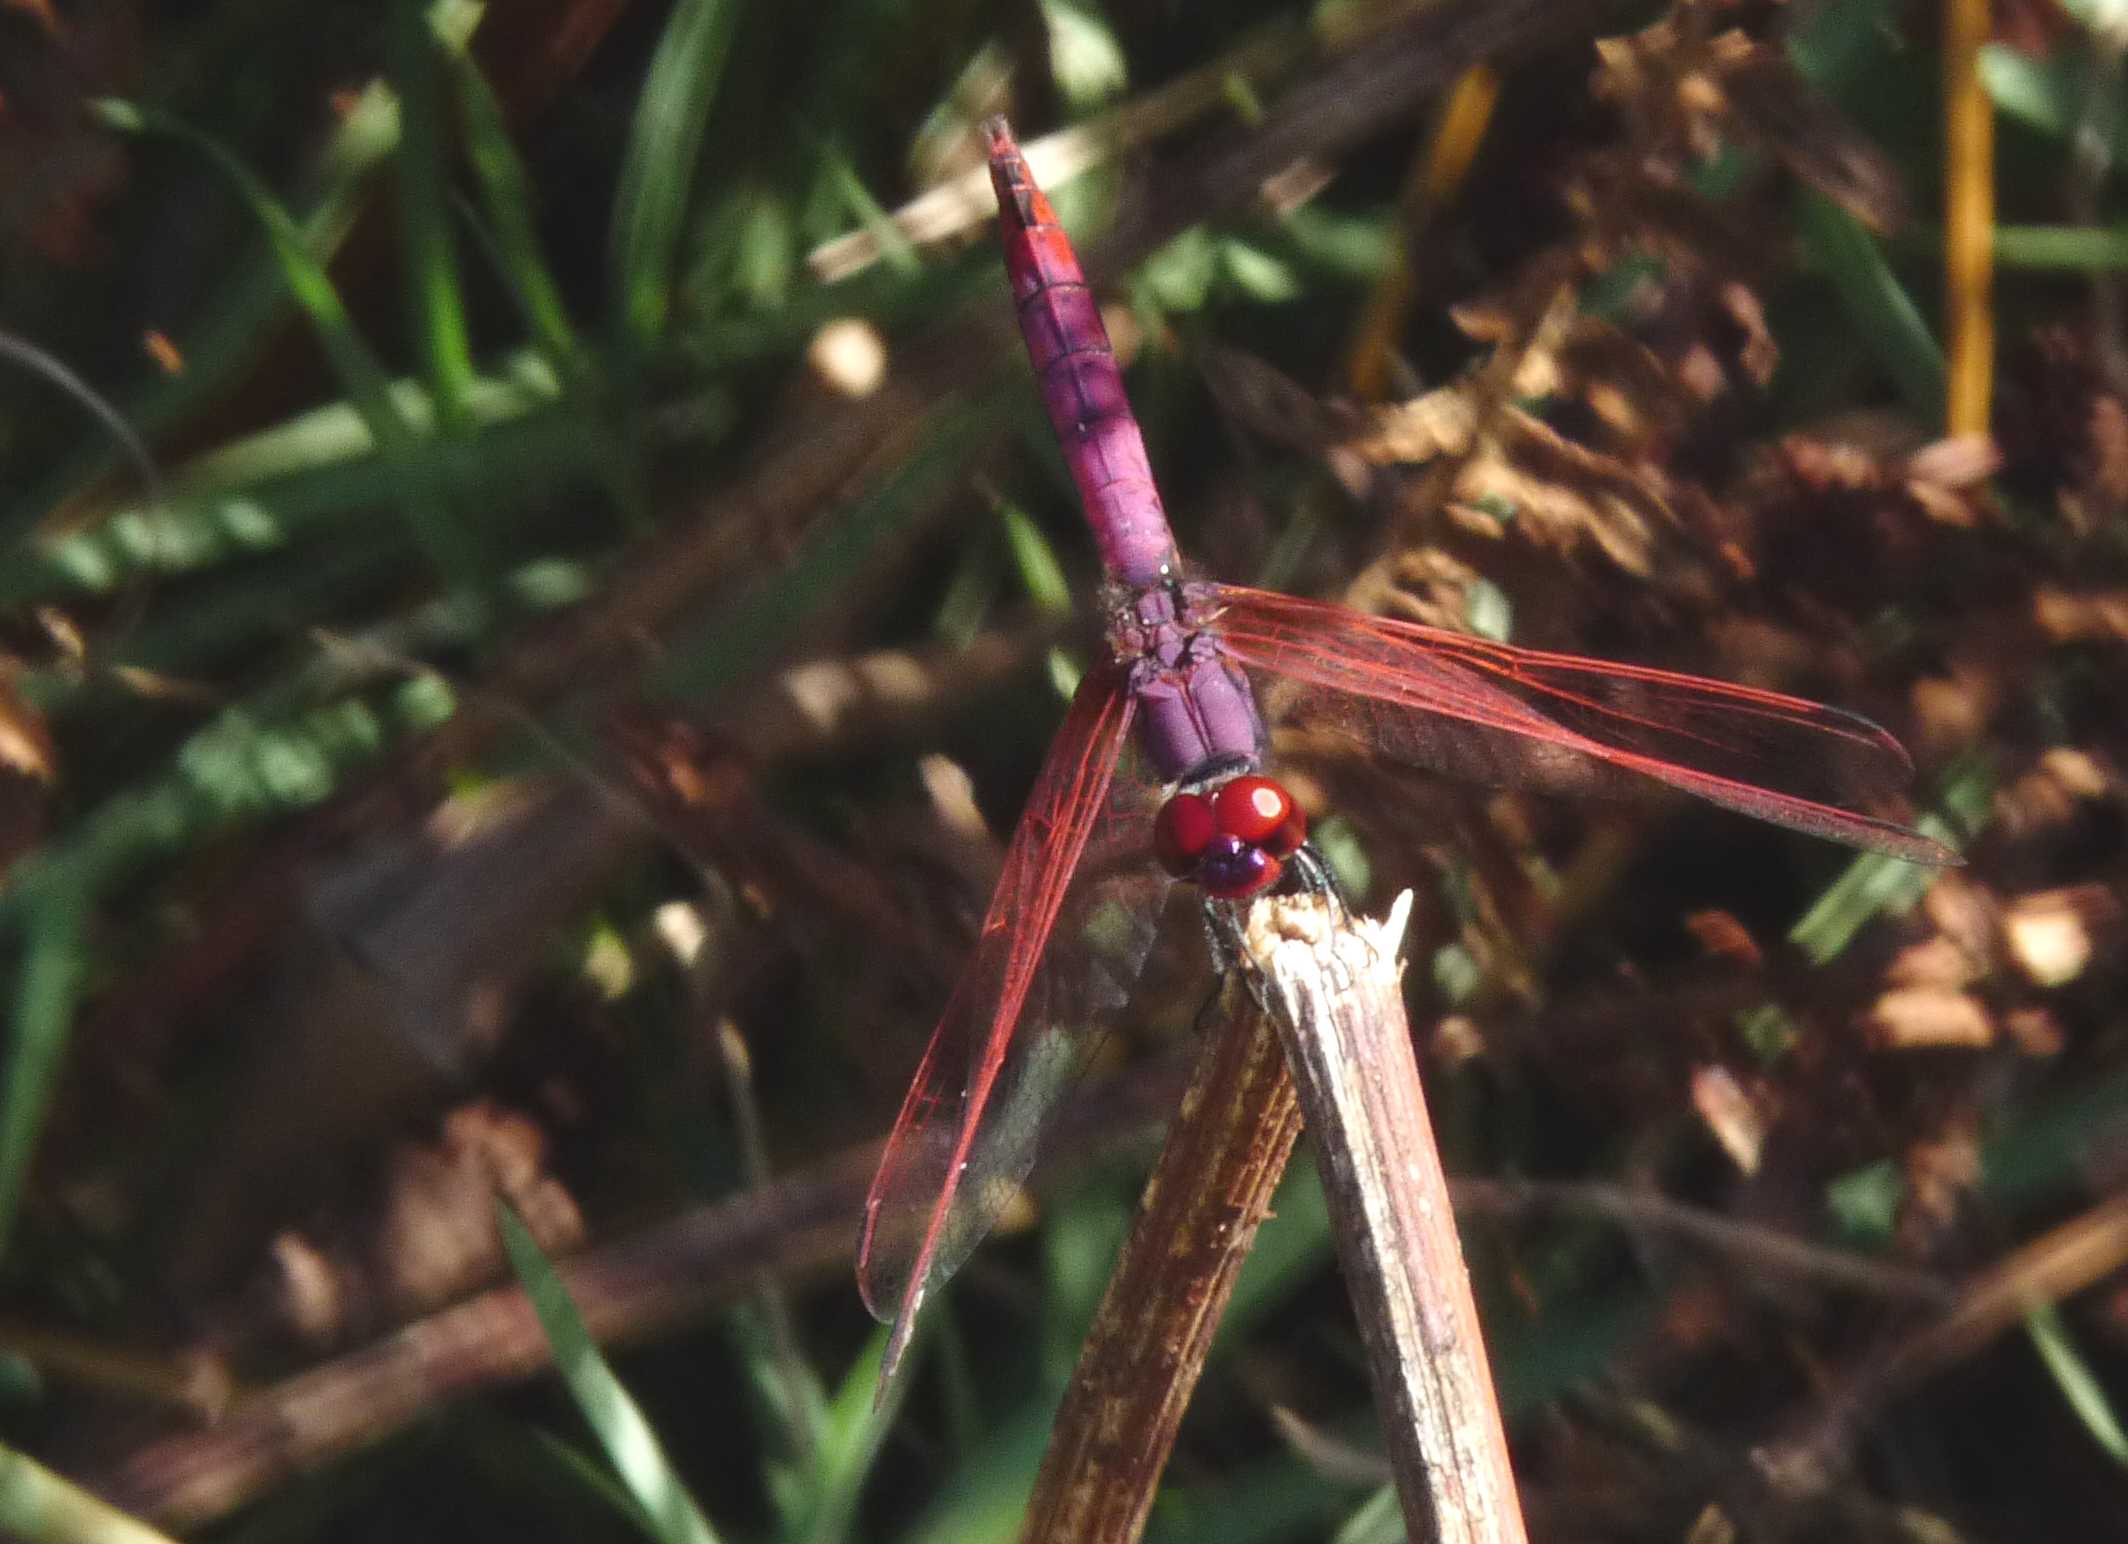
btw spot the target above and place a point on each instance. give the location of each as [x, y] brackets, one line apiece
[545, 723]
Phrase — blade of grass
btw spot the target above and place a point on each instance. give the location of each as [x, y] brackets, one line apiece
[45, 994]
[286, 483]
[1036, 560]
[533, 1463]
[438, 304]
[2079, 1385]
[1874, 883]
[228, 330]
[657, 172]
[1888, 322]
[631, 1446]
[39, 1506]
[752, 628]
[449, 544]
[506, 200]
[850, 1440]
[2075, 248]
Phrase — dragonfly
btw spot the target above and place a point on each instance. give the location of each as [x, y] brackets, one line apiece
[1087, 872]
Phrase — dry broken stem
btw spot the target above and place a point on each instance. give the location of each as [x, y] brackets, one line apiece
[1333, 985]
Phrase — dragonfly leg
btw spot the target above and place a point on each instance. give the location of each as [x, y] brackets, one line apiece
[1317, 878]
[1222, 931]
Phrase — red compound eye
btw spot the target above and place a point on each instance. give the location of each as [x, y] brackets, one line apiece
[1260, 812]
[1182, 831]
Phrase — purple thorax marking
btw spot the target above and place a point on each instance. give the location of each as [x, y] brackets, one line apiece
[1195, 707]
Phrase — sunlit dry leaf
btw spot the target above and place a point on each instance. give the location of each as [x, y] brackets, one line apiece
[1457, 1039]
[2068, 616]
[433, 1240]
[1934, 962]
[1722, 936]
[2034, 1031]
[167, 356]
[1688, 91]
[2055, 792]
[1940, 1173]
[1949, 710]
[1922, 1018]
[849, 356]
[1965, 912]
[2053, 936]
[1712, 1526]
[25, 743]
[307, 1290]
[1728, 1112]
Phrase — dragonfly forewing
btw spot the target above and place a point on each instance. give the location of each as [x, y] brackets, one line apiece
[1523, 718]
[1066, 936]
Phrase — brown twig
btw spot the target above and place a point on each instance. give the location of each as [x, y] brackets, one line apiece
[1335, 990]
[661, 1278]
[629, 1290]
[1760, 1248]
[1141, 1361]
[2059, 1263]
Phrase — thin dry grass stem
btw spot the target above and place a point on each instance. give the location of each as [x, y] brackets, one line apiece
[1435, 178]
[648, 1284]
[1353, 95]
[1969, 219]
[632, 1289]
[1209, 1192]
[1336, 993]
[1758, 1248]
[964, 202]
[2055, 1266]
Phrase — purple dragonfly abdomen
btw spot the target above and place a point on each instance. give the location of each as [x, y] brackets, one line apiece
[1081, 385]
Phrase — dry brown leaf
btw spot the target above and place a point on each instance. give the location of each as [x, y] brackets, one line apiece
[2054, 936]
[1928, 1018]
[1730, 1114]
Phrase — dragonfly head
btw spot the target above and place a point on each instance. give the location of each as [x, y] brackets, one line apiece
[1232, 842]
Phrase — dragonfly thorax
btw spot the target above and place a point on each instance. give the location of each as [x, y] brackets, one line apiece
[1232, 842]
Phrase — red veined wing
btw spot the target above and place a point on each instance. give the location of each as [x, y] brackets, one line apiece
[1067, 933]
[1493, 713]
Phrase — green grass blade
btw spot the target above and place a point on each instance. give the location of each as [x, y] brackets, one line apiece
[657, 174]
[2070, 248]
[1036, 560]
[631, 1446]
[1888, 322]
[235, 322]
[40, 1507]
[436, 298]
[46, 990]
[1875, 883]
[506, 200]
[360, 371]
[2078, 1383]
[850, 1440]
[753, 628]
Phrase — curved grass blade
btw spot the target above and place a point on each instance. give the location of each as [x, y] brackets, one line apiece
[850, 1439]
[437, 300]
[506, 200]
[658, 171]
[669, 1512]
[2078, 1383]
[360, 371]
[1890, 325]
[43, 1507]
[46, 991]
